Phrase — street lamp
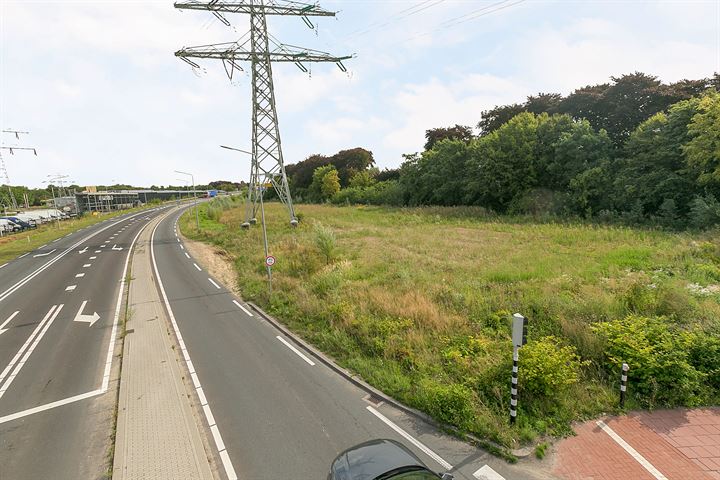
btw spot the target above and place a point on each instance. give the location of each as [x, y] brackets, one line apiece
[184, 180]
[192, 178]
[245, 224]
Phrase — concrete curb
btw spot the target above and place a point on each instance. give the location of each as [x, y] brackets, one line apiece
[492, 447]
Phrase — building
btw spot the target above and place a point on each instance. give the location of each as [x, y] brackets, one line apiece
[94, 201]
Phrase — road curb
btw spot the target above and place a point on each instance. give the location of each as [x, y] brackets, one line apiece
[491, 447]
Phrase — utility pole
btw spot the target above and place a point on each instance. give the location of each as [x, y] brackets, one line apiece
[3, 167]
[267, 159]
[197, 215]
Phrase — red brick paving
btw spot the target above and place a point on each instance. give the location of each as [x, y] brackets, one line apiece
[682, 444]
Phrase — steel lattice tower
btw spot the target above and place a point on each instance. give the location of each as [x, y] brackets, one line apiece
[267, 166]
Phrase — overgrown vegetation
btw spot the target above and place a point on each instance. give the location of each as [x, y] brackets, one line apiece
[417, 302]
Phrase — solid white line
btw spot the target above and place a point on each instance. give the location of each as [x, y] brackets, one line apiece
[213, 282]
[198, 268]
[219, 444]
[4, 295]
[70, 288]
[243, 308]
[487, 473]
[29, 351]
[411, 439]
[299, 353]
[48, 406]
[25, 345]
[7, 321]
[186, 254]
[633, 453]
[79, 275]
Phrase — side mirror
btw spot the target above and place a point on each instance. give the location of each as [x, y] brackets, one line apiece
[446, 476]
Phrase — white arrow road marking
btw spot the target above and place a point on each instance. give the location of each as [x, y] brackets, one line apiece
[2, 327]
[83, 250]
[117, 249]
[91, 319]
[487, 473]
[35, 339]
[44, 254]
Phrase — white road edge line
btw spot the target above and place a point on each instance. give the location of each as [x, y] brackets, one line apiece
[108, 362]
[219, 444]
[633, 453]
[3, 265]
[198, 268]
[298, 352]
[243, 308]
[186, 254]
[214, 284]
[410, 439]
[24, 255]
[29, 351]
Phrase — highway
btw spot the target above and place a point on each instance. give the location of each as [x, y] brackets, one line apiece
[276, 411]
[59, 312]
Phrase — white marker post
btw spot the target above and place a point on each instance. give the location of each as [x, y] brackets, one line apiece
[519, 338]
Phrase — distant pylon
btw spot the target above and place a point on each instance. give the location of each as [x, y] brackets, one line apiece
[3, 167]
[267, 165]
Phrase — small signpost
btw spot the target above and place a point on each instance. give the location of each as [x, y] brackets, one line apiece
[519, 338]
[623, 383]
[269, 261]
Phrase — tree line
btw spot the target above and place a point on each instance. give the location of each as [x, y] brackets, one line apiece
[633, 150]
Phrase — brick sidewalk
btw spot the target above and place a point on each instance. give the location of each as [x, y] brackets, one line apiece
[679, 444]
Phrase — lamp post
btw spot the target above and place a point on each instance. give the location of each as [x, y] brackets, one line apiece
[192, 178]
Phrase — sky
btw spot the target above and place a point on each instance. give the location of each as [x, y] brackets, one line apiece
[105, 101]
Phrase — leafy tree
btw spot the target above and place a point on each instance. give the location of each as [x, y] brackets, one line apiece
[494, 118]
[349, 162]
[703, 150]
[458, 132]
[363, 179]
[436, 177]
[543, 103]
[325, 183]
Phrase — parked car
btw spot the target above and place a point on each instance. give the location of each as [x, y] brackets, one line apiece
[8, 226]
[25, 225]
[381, 460]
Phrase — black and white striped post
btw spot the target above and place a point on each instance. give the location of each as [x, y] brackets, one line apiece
[519, 338]
[623, 384]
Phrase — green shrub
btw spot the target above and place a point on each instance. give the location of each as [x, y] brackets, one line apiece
[451, 404]
[547, 368]
[325, 241]
[214, 213]
[659, 358]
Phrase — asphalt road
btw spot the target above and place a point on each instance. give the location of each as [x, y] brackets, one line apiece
[57, 378]
[277, 412]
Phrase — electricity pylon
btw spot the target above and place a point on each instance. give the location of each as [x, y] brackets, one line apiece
[267, 158]
[3, 167]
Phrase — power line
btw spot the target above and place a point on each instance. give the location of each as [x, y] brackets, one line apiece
[420, 7]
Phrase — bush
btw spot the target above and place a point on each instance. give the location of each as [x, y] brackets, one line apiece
[325, 241]
[451, 404]
[659, 358]
[548, 368]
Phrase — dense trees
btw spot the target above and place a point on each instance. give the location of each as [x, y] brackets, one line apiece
[633, 150]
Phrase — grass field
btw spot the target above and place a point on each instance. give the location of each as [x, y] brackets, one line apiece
[417, 302]
[12, 246]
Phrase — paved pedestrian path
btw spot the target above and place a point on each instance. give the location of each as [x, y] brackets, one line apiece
[157, 433]
[680, 444]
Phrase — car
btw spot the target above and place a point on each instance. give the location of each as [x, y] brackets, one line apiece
[381, 459]
[23, 224]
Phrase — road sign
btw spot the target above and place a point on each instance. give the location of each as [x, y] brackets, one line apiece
[269, 260]
[519, 331]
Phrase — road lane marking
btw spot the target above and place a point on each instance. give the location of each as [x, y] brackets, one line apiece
[410, 438]
[186, 254]
[70, 288]
[242, 308]
[219, 444]
[633, 453]
[181, 247]
[299, 353]
[198, 268]
[29, 351]
[6, 322]
[79, 275]
[98, 251]
[93, 258]
[178, 240]
[3, 265]
[24, 255]
[486, 472]
[43, 246]
[4, 295]
[87, 265]
[214, 284]
[25, 345]
[44, 254]
[49, 406]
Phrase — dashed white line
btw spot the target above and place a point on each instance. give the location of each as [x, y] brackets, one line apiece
[79, 275]
[182, 247]
[214, 284]
[87, 265]
[186, 254]
[70, 288]
[633, 453]
[298, 352]
[242, 308]
[486, 472]
[24, 255]
[98, 251]
[3, 265]
[410, 438]
[93, 258]
[196, 266]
